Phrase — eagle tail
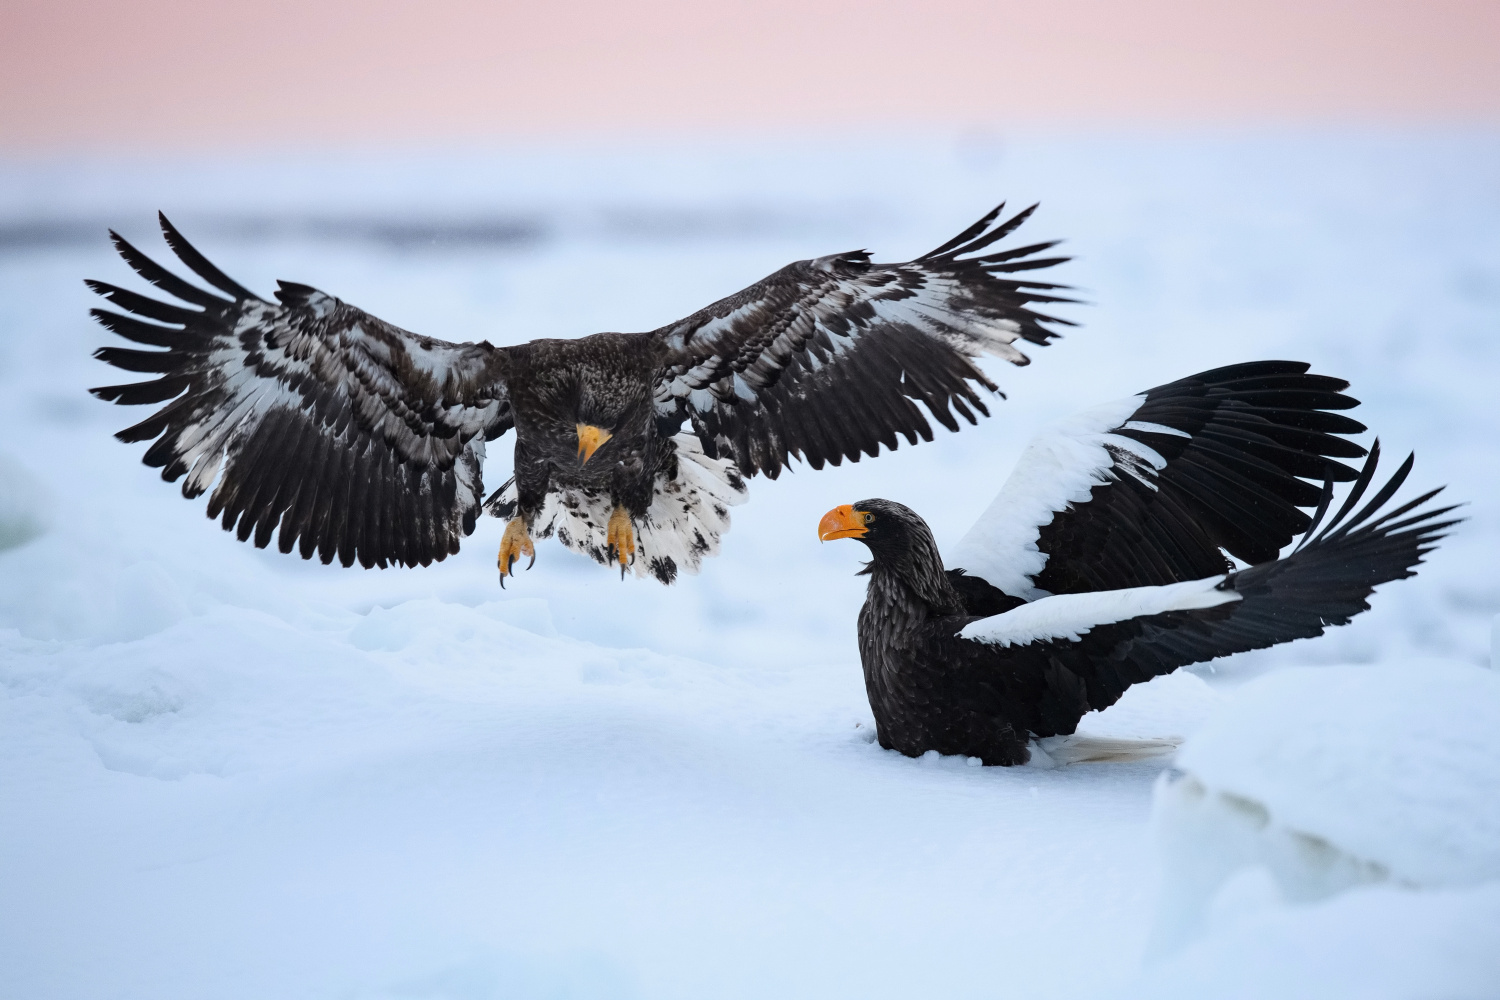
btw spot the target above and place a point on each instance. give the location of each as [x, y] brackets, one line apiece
[1060, 751]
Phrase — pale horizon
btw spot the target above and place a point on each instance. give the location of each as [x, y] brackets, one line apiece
[85, 77]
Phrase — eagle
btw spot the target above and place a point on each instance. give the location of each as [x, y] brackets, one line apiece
[1105, 561]
[339, 434]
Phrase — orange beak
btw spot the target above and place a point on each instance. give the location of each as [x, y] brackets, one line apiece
[590, 438]
[842, 522]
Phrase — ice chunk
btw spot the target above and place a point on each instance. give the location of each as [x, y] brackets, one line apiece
[1375, 943]
[1331, 778]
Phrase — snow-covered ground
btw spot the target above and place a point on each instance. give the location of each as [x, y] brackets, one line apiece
[1316, 811]
[230, 773]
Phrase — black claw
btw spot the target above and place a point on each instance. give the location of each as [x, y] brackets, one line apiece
[533, 560]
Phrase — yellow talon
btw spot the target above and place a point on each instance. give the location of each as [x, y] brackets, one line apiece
[515, 543]
[621, 538]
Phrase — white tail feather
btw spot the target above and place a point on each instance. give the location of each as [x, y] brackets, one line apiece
[1060, 751]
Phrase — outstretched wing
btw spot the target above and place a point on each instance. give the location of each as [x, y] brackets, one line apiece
[1145, 491]
[826, 359]
[356, 438]
[1077, 652]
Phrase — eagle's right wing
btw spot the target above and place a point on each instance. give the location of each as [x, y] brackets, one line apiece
[353, 436]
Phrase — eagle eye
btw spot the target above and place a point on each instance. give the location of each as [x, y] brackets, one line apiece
[867, 517]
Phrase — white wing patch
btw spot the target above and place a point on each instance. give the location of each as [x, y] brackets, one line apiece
[931, 310]
[1147, 427]
[1071, 616]
[687, 516]
[1059, 467]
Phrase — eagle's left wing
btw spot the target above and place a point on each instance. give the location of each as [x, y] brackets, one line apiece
[826, 359]
[1076, 652]
[344, 433]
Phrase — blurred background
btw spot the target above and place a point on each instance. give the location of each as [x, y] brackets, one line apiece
[1313, 180]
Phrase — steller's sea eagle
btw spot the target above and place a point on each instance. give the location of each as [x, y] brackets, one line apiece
[343, 435]
[1102, 562]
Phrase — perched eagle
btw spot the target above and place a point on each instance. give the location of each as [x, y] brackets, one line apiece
[1102, 562]
[343, 435]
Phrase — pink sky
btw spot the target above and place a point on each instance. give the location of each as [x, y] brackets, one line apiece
[274, 73]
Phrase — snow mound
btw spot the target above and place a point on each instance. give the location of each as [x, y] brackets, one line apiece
[1378, 943]
[1395, 764]
[1167, 707]
[1317, 780]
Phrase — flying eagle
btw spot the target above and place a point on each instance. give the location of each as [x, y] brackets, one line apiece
[1102, 562]
[348, 437]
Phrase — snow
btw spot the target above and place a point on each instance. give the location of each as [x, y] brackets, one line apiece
[1371, 944]
[227, 772]
[24, 505]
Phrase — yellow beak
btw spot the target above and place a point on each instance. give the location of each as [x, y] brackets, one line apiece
[842, 522]
[590, 438]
